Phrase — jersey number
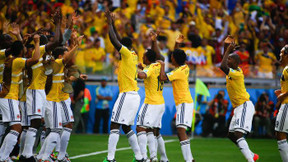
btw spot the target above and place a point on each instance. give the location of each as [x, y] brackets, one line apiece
[160, 85]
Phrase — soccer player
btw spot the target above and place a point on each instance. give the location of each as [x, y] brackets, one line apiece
[243, 108]
[35, 95]
[183, 100]
[150, 115]
[128, 101]
[9, 96]
[53, 114]
[281, 125]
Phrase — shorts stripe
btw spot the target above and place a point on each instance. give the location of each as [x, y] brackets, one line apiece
[283, 117]
[55, 115]
[11, 109]
[34, 101]
[64, 106]
[120, 107]
[182, 113]
[143, 114]
[243, 115]
[25, 112]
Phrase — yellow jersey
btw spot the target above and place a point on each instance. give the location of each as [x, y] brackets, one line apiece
[180, 83]
[18, 65]
[236, 87]
[38, 72]
[153, 86]
[57, 81]
[284, 83]
[127, 72]
[2, 60]
[265, 62]
[24, 86]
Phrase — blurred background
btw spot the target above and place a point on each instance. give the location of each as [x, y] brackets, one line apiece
[259, 27]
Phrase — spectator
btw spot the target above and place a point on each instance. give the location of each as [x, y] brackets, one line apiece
[262, 117]
[244, 56]
[103, 96]
[215, 118]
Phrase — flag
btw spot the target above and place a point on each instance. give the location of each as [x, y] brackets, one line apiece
[87, 98]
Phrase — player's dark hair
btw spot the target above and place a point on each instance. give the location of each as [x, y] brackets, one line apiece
[127, 42]
[29, 46]
[58, 51]
[43, 40]
[235, 57]
[179, 56]
[16, 48]
[4, 38]
[151, 55]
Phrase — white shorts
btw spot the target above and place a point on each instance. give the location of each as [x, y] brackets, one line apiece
[125, 108]
[150, 115]
[10, 110]
[184, 114]
[53, 117]
[25, 119]
[66, 112]
[35, 100]
[242, 118]
[281, 124]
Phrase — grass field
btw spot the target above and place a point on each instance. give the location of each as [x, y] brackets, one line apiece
[203, 149]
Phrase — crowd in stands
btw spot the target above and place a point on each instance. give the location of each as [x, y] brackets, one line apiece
[260, 28]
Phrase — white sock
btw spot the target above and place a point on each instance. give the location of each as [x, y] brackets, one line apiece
[134, 144]
[41, 152]
[29, 142]
[10, 141]
[2, 130]
[186, 150]
[244, 148]
[156, 145]
[65, 136]
[283, 149]
[22, 141]
[142, 140]
[151, 144]
[51, 143]
[161, 148]
[57, 148]
[112, 143]
[42, 137]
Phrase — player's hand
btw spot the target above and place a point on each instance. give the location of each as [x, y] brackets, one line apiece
[229, 39]
[75, 17]
[231, 46]
[153, 36]
[180, 38]
[15, 29]
[113, 16]
[140, 66]
[108, 16]
[281, 97]
[277, 92]
[36, 38]
[83, 76]
[79, 40]
[57, 16]
[161, 62]
[6, 26]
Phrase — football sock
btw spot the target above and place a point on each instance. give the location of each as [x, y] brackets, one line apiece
[9, 141]
[151, 144]
[51, 143]
[283, 149]
[42, 137]
[134, 144]
[29, 142]
[142, 139]
[112, 143]
[65, 136]
[22, 141]
[161, 148]
[244, 148]
[2, 131]
[186, 150]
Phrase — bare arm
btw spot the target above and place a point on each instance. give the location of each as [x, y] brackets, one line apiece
[50, 46]
[16, 31]
[113, 24]
[34, 59]
[113, 38]
[179, 41]
[68, 56]
[155, 47]
[224, 64]
[142, 75]
[162, 76]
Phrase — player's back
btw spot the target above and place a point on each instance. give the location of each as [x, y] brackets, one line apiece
[153, 86]
[236, 87]
[127, 76]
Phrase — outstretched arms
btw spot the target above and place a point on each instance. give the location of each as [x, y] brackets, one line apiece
[113, 38]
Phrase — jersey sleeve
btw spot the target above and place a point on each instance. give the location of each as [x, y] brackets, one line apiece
[175, 75]
[124, 51]
[285, 73]
[20, 63]
[234, 73]
[148, 71]
[58, 64]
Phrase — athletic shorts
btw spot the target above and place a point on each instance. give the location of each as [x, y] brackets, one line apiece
[242, 118]
[53, 116]
[25, 121]
[10, 110]
[150, 116]
[35, 100]
[66, 111]
[281, 124]
[184, 114]
[125, 108]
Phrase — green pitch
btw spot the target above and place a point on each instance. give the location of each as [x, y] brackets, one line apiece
[203, 149]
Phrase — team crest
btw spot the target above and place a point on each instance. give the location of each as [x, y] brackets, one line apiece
[39, 110]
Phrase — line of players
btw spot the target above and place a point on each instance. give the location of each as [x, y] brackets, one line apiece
[24, 70]
[151, 112]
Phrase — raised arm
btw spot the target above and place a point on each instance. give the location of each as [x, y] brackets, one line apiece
[162, 76]
[115, 30]
[179, 40]
[155, 48]
[113, 38]
[224, 64]
[34, 59]
[16, 31]
[69, 55]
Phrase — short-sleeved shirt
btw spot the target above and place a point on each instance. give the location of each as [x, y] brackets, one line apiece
[153, 86]
[236, 87]
[38, 72]
[18, 65]
[105, 92]
[284, 83]
[2, 60]
[127, 72]
[180, 83]
[57, 81]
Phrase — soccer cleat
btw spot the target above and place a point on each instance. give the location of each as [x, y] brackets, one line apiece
[66, 159]
[24, 159]
[154, 159]
[256, 157]
[135, 160]
[106, 160]
[54, 155]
